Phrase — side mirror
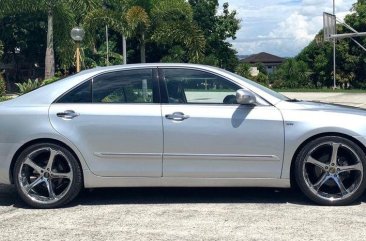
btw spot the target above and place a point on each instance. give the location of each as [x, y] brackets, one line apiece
[244, 97]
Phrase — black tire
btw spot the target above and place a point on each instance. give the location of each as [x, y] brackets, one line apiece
[65, 172]
[327, 182]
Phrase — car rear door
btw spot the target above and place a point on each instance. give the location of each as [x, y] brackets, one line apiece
[115, 121]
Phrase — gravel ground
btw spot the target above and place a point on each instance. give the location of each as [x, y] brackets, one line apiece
[182, 214]
[188, 213]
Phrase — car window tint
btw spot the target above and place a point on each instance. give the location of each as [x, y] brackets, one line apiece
[80, 94]
[198, 87]
[129, 86]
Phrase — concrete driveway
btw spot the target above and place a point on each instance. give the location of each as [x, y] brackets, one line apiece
[182, 214]
[188, 213]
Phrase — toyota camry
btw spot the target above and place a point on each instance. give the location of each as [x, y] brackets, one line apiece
[176, 125]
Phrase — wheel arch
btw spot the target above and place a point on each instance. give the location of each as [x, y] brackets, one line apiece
[41, 140]
[304, 143]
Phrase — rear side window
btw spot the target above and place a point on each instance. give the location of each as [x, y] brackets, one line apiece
[132, 86]
[80, 94]
[128, 86]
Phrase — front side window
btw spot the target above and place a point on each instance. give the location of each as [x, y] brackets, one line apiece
[128, 86]
[198, 87]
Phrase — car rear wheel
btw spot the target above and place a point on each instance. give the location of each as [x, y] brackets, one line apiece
[331, 171]
[47, 175]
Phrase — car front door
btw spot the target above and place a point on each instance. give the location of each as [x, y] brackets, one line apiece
[208, 135]
[115, 121]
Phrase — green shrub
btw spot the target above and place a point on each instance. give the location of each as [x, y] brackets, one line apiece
[50, 80]
[262, 78]
[243, 69]
[277, 84]
[28, 86]
[4, 98]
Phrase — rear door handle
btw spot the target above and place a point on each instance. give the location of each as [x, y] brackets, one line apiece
[68, 114]
[177, 116]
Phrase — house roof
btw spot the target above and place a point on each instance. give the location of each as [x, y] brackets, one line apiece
[263, 57]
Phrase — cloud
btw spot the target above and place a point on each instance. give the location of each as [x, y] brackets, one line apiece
[297, 31]
[281, 27]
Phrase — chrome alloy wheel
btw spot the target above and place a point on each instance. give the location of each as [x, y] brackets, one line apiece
[45, 175]
[333, 171]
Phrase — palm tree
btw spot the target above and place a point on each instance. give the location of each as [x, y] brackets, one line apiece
[112, 14]
[166, 22]
[60, 9]
[127, 17]
[139, 21]
[174, 25]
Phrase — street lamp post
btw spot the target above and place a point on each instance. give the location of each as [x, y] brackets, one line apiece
[77, 34]
[17, 52]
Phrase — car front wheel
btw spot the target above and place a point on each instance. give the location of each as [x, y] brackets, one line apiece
[47, 175]
[330, 171]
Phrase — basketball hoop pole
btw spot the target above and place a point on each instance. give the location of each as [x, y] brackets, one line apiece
[330, 34]
[334, 55]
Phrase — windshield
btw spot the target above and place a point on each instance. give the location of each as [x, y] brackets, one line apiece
[261, 87]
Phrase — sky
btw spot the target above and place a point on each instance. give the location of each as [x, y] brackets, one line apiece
[281, 27]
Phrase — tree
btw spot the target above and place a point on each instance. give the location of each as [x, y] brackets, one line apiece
[1, 49]
[62, 10]
[2, 82]
[318, 57]
[23, 39]
[112, 14]
[292, 74]
[217, 29]
[97, 56]
[162, 30]
[262, 78]
[173, 26]
[243, 69]
[138, 22]
[351, 59]
[166, 25]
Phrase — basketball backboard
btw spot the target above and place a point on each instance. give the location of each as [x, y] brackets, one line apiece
[329, 22]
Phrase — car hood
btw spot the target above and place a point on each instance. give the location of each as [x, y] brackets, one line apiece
[319, 117]
[320, 106]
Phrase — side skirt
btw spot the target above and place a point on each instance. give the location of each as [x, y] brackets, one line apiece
[93, 181]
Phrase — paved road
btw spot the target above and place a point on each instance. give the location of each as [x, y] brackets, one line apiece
[182, 214]
[188, 213]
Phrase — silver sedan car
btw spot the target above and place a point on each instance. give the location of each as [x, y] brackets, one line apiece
[176, 125]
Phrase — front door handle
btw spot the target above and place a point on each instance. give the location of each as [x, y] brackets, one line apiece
[68, 114]
[177, 116]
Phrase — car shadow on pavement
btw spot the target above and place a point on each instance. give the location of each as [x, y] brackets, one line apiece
[106, 196]
[9, 197]
[189, 195]
[196, 195]
[178, 195]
